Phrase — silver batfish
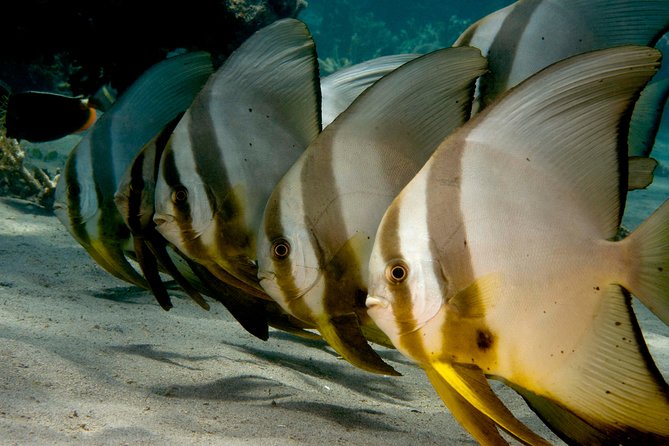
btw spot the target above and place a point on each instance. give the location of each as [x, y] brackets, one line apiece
[84, 197]
[320, 220]
[498, 259]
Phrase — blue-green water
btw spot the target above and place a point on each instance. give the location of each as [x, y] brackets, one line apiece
[352, 31]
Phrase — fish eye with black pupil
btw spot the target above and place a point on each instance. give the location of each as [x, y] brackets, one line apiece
[180, 194]
[73, 189]
[280, 249]
[396, 273]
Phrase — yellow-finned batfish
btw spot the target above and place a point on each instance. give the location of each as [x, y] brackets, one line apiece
[135, 202]
[250, 123]
[320, 220]
[84, 198]
[527, 36]
[498, 259]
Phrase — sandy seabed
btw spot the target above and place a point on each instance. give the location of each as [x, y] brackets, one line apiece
[87, 359]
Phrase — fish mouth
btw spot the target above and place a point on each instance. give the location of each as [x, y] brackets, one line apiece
[376, 302]
[265, 276]
[162, 219]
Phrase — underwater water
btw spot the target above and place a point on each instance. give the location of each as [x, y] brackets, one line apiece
[350, 31]
[347, 32]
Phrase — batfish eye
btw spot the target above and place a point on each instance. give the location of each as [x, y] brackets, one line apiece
[73, 190]
[397, 272]
[180, 194]
[280, 249]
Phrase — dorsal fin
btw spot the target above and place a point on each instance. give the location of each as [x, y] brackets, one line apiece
[528, 36]
[156, 98]
[581, 106]
[262, 104]
[646, 117]
[341, 88]
[386, 135]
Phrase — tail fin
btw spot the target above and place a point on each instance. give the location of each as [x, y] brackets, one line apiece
[649, 247]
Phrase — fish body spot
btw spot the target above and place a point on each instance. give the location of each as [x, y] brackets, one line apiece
[484, 339]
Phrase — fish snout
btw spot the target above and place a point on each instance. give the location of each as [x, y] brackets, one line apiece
[162, 219]
[265, 275]
[376, 302]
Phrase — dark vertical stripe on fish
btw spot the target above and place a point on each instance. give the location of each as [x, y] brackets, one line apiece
[135, 195]
[283, 268]
[506, 41]
[233, 239]
[207, 154]
[403, 308]
[182, 209]
[341, 273]
[465, 339]
[73, 194]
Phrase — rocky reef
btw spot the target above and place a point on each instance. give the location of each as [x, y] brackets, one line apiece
[24, 181]
[77, 47]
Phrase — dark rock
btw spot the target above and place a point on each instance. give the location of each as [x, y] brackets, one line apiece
[78, 46]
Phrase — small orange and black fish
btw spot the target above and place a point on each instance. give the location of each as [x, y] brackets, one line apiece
[39, 116]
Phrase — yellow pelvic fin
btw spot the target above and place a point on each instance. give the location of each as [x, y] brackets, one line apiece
[480, 426]
[112, 259]
[343, 333]
[472, 385]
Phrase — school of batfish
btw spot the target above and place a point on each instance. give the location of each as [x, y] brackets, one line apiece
[462, 206]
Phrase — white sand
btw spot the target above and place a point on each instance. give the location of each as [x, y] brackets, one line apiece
[87, 359]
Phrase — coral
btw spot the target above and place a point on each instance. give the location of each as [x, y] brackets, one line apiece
[259, 12]
[17, 180]
[332, 64]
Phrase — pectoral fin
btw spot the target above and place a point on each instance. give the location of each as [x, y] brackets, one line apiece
[343, 333]
[473, 386]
